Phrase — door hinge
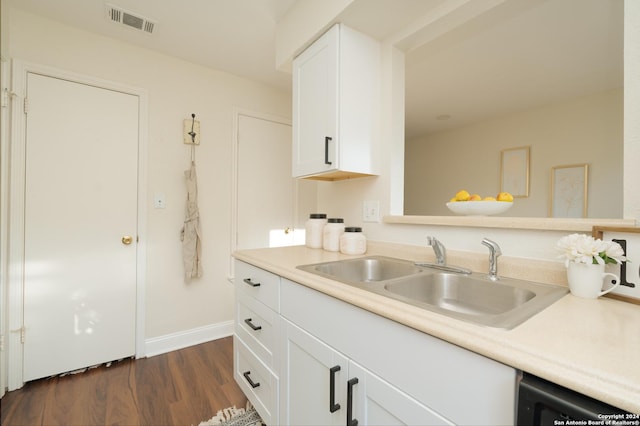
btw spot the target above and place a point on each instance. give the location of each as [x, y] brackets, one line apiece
[1, 342]
[26, 105]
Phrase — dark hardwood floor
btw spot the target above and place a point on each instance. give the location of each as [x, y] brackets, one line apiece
[183, 387]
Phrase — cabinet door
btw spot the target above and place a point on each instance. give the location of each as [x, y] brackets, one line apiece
[315, 106]
[377, 402]
[306, 382]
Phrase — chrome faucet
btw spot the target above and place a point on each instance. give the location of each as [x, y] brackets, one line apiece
[441, 259]
[494, 252]
[439, 250]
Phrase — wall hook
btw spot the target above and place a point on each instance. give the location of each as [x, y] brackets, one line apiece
[192, 131]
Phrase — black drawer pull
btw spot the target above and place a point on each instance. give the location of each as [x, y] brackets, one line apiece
[251, 283]
[251, 382]
[350, 420]
[327, 139]
[253, 327]
[333, 407]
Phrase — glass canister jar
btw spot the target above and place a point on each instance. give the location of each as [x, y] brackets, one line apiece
[353, 241]
[331, 234]
[313, 230]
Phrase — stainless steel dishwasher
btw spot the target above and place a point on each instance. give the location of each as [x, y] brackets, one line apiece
[541, 402]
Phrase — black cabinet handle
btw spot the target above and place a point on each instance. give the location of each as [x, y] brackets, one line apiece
[350, 420]
[253, 327]
[251, 283]
[251, 382]
[333, 407]
[327, 139]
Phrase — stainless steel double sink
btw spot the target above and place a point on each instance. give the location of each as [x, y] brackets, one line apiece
[473, 297]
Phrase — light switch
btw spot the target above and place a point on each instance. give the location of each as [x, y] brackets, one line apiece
[159, 201]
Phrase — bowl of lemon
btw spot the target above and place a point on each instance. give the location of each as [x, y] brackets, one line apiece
[468, 204]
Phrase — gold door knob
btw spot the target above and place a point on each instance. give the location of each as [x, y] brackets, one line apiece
[287, 230]
[127, 239]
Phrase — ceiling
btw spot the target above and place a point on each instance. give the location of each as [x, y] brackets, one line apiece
[523, 54]
[236, 36]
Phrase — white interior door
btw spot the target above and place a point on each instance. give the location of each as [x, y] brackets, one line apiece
[80, 207]
[266, 190]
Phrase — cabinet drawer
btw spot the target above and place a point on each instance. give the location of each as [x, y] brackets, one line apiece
[258, 283]
[257, 325]
[257, 382]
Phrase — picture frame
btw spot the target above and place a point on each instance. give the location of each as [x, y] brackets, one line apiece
[569, 185]
[514, 171]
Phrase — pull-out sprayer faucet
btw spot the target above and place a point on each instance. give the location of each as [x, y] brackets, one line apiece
[494, 252]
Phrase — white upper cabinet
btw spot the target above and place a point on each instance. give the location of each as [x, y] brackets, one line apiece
[336, 97]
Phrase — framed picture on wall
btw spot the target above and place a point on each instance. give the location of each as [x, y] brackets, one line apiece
[514, 171]
[569, 191]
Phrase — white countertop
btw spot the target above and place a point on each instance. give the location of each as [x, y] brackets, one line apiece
[591, 346]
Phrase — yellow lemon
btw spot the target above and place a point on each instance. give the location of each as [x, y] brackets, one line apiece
[462, 195]
[489, 199]
[453, 200]
[475, 197]
[504, 196]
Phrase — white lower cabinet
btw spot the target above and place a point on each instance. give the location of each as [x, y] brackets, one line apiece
[319, 385]
[404, 376]
[306, 358]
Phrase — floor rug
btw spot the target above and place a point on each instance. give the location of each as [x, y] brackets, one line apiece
[233, 416]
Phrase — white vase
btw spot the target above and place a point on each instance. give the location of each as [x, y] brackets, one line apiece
[586, 280]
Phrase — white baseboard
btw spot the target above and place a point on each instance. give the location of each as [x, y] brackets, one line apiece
[183, 339]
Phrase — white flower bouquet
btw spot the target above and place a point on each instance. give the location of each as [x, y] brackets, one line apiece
[581, 248]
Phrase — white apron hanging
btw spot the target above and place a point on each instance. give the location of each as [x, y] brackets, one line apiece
[191, 234]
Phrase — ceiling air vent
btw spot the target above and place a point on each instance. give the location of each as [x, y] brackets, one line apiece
[124, 17]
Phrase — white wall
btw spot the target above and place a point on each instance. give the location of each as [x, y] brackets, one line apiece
[175, 90]
[631, 108]
[584, 130]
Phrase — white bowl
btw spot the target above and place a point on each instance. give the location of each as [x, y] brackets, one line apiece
[479, 208]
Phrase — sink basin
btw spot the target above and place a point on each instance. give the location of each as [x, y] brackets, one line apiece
[364, 269]
[473, 297]
[462, 293]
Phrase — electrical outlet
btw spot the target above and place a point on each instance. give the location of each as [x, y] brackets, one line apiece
[632, 267]
[371, 211]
